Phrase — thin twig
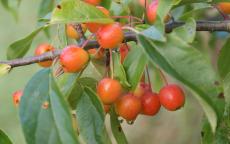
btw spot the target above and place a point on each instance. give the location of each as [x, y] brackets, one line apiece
[129, 36]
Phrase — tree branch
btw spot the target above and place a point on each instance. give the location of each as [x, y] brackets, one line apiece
[129, 36]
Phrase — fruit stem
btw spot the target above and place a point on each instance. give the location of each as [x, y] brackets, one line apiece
[131, 29]
[98, 50]
[111, 62]
[149, 81]
[86, 42]
[222, 14]
[163, 77]
[129, 17]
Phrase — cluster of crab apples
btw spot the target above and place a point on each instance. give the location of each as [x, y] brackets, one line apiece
[128, 105]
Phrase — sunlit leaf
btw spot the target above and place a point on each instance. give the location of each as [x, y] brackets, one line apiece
[77, 11]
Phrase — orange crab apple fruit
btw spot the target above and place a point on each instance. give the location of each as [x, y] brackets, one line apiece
[109, 90]
[41, 49]
[110, 36]
[73, 59]
[128, 106]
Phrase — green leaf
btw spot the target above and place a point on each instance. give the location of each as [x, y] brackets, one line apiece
[19, 48]
[119, 71]
[187, 32]
[106, 3]
[153, 33]
[11, 7]
[61, 114]
[95, 70]
[38, 118]
[187, 65]
[4, 69]
[90, 118]
[134, 65]
[116, 128]
[4, 139]
[46, 6]
[224, 60]
[88, 82]
[79, 12]
[195, 8]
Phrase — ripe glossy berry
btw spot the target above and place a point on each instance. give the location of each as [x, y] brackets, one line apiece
[150, 103]
[72, 33]
[110, 36]
[94, 27]
[124, 50]
[73, 58]
[97, 54]
[107, 108]
[93, 2]
[128, 107]
[41, 49]
[151, 12]
[109, 90]
[224, 7]
[17, 96]
[172, 97]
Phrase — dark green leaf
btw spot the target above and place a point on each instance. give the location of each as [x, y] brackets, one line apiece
[38, 118]
[116, 128]
[187, 65]
[61, 114]
[106, 3]
[4, 139]
[90, 118]
[77, 11]
[119, 71]
[224, 60]
[134, 65]
[19, 48]
[88, 82]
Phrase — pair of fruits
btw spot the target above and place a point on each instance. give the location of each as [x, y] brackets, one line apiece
[104, 32]
[73, 58]
[142, 100]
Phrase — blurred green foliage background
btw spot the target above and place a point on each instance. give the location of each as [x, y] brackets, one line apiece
[181, 127]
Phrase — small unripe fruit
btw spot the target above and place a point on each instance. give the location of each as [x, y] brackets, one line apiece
[72, 33]
[109, 90]
[73, 59]
[110, 36]
[172, 97]
[141, 89]
[97, 54]
[41, 49]
[224, 7]
[94, 27]
[124, 50]
[17, 96]
[150, 103]
[151, 12]
[128, 107]
[93, 2]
